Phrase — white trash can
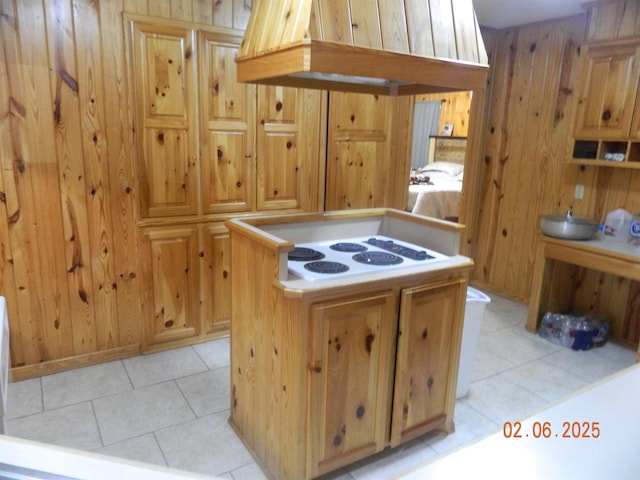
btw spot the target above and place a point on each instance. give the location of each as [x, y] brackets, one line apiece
[473, 315]
[4, 360]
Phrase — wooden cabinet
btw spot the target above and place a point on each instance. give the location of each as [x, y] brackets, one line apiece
[356, 408]
[325, 373]
[227, 128]
[164, 75]
[353, 343]
[425, 366]
[607, 90]
[172, 272]
[248, 150]
[209, 147]
[607, 115]
[368, 155]
[187, 270]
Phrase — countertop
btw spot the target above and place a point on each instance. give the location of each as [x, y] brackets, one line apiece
[603, 246]
[612, 402]
[60, 462]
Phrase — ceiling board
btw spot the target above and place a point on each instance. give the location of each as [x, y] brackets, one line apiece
[508, 13]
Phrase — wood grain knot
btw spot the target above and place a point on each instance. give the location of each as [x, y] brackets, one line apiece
[337, 440]
[168, 324]
[360, 411]
[278, 106]
[606, 115]
[425, 334]
[430, 383]
[238, 184]
[369, 341]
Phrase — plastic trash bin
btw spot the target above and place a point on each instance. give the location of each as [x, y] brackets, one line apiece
[473, 315]
[4, 360]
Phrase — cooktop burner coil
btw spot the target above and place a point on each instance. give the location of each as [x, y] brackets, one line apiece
[304, 254]
[326, 267]
[377, 258]
[348, 247]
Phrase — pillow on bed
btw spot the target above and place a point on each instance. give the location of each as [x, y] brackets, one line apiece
[453, 169]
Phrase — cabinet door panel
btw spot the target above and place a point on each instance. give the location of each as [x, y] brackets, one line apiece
[607, 92]
[216, 295]
[168, 171]
[426, 359]
[288, 145]
[163, 73]
[352, 356]
[368, 155]
[228, 113]
[171, 302]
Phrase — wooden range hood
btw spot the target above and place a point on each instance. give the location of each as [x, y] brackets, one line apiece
[390, 47]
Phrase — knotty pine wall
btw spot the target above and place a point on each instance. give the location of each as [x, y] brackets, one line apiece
[67, 225]
[455, 108]
[527, 134]
[67, 221]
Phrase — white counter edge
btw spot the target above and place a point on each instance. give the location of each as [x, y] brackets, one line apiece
[83, 465]
[612, 402]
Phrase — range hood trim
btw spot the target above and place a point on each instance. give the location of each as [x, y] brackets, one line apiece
[412, 74]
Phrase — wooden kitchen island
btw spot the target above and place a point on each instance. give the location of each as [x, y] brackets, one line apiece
[324, 373]
[554, 271]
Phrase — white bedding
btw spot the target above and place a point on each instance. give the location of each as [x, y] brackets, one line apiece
[441, 199]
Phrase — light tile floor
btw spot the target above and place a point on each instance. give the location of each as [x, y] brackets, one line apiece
[171, 408]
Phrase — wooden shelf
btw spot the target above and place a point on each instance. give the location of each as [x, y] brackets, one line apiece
[606, 153]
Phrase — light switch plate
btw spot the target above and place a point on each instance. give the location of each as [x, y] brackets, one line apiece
[578, 193]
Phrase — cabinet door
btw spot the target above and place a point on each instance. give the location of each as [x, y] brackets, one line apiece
[228, 131]
[429, 335]
[368, 151]
[607, 91]
[288, 143]
[216, 291]
[163, 79]
[171, 302]
[351, 376]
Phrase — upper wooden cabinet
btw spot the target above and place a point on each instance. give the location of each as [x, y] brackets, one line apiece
[367, 151]
[163, 79]
[210, 145]
[607, 91]
[607, 115]
[227, 128]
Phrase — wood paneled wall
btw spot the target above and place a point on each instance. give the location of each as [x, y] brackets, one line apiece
[533, 76]
[455, 108]
[68, 237]
[528, 135]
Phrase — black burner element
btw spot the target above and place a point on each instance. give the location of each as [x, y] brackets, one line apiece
[348, 247]
[326, 267]
[303, 254]
[407, 252]
[377, 258]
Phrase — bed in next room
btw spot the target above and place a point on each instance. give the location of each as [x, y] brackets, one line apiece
[435, 188]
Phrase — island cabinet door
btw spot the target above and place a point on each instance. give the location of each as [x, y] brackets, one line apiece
[351, 374]
[426, 359]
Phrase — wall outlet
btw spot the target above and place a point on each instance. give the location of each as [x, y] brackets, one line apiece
[578, 193]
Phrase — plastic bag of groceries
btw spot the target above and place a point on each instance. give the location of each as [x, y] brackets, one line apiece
[576, 330]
